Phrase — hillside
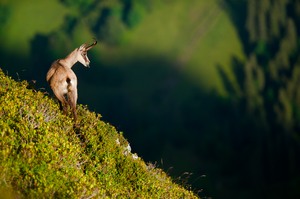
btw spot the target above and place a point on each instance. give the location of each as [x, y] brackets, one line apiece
[43, 154]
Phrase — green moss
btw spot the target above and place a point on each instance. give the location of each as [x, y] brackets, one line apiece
[42, 153]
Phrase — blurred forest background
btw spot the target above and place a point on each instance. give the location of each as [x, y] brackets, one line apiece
[204, 87]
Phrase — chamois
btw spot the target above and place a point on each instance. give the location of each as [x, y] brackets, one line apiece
[63, 80]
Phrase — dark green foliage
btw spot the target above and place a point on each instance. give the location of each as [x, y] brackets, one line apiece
[274, 59]
[81, 6]
[133, 11]
[107, 20]
[42, 153]
[110, 25]
[269, 86]
[267, 99]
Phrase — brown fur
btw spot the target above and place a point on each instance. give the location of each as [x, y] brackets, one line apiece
[63, 80]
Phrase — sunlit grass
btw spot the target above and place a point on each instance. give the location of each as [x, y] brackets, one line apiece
[43, 154]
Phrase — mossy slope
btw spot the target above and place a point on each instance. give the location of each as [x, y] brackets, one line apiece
[43, 154]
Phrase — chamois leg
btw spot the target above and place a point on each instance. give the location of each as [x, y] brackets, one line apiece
[72, 104]
[72, 100]
[62, 101]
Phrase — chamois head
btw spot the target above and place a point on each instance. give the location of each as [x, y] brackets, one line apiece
[82, 53]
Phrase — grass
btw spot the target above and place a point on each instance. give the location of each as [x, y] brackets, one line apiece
[42, 153]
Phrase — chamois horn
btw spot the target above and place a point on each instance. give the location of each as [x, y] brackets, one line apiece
[92, 45]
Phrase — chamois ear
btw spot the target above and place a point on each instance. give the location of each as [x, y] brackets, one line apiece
[82, 47]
